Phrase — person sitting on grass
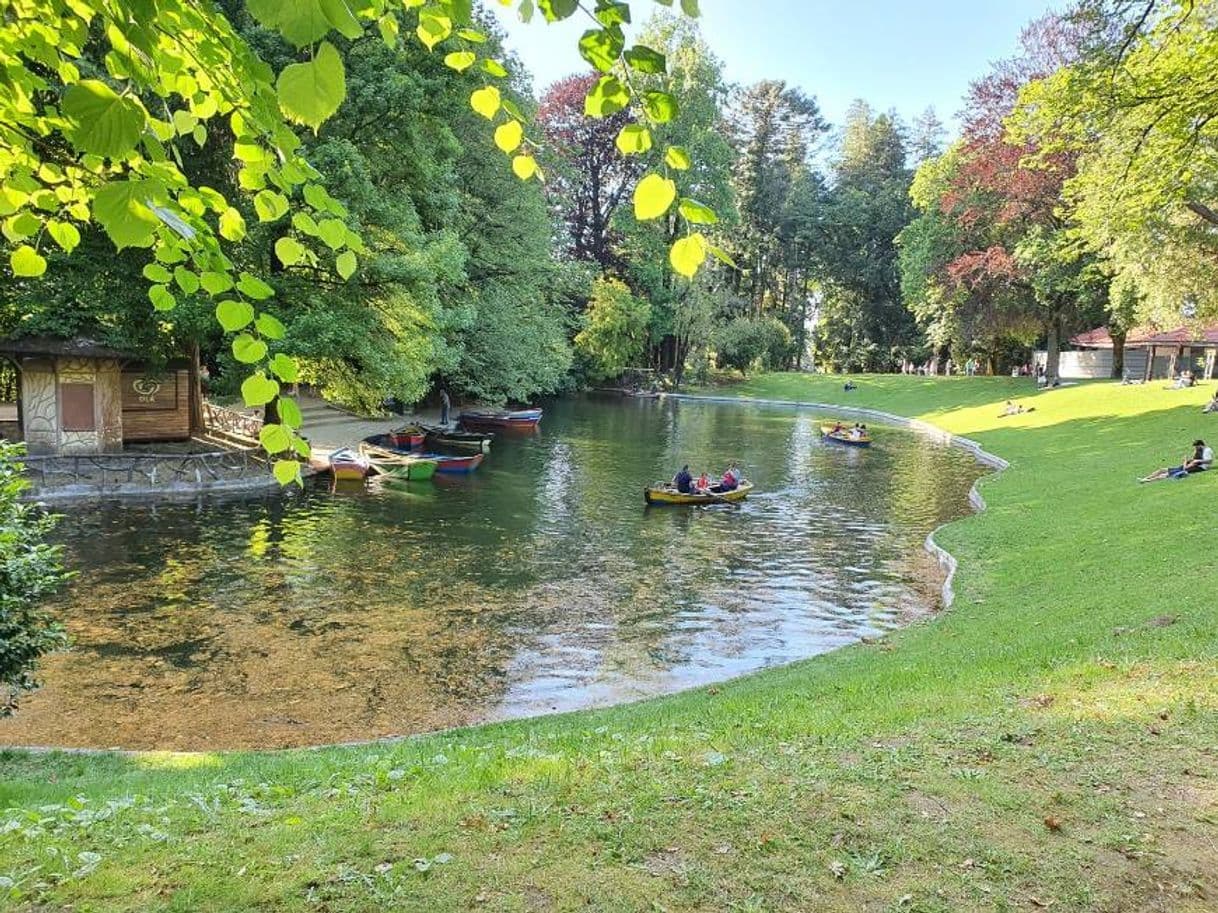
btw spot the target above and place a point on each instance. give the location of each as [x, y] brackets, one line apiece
[1014, 409]
[849, 386]
[1212, 405]
[1201, 460]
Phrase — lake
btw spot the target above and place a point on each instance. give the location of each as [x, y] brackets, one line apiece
[541, 583]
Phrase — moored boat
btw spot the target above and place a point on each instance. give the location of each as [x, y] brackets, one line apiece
[397, 463]
[844, 436]
[464, 441]
[447, 464]
[410, 437]
[521, 420]
[348, 465]
[666, 494]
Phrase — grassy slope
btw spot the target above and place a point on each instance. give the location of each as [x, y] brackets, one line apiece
[1050, 741]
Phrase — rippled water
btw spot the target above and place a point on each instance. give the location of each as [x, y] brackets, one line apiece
[540, 583]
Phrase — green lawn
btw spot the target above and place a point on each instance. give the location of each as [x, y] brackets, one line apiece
[1051, 742]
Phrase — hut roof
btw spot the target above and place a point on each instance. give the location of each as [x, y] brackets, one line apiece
[1140, 337]
[75, 347]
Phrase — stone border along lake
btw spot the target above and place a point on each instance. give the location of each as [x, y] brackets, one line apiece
[540, 584]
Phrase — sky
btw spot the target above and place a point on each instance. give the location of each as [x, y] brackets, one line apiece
[894, 54]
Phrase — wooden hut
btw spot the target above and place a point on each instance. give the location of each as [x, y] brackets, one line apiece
[74, 396]
[1151, 353]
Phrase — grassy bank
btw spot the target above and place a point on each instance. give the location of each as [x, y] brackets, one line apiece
[1049, 743]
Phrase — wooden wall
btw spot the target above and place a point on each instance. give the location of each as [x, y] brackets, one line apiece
[156, 407]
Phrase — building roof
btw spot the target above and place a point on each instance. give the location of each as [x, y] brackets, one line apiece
[76, 347]
[1140, 337]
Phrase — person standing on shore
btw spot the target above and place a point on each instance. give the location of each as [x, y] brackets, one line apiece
[446, 405]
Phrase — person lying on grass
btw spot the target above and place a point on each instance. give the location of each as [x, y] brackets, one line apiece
[1201, 460]
[1014, 409]
[1212, 405]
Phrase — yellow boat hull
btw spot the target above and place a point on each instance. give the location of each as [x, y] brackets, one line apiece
[672, 496]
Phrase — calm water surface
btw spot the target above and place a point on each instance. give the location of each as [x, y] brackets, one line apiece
[539, 584]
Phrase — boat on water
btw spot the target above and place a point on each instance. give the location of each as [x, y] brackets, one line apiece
[397, 463]
[410, 437]
[844, 436]
[443, 438]
[521, 420]
[449, 464]
[347, 465]
[666, 494]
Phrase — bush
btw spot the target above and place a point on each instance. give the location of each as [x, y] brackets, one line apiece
[614, 336]
[748, 340]
[30, 571]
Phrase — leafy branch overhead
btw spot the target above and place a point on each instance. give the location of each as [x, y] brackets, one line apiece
[86, 147]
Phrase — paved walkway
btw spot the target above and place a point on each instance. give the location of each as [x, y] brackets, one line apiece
[329, 428]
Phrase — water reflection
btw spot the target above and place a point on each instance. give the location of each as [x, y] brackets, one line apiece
[540, 583]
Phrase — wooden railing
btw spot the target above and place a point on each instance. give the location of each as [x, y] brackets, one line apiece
[231, 422]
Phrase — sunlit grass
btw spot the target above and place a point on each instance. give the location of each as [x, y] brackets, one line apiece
[1049, 743]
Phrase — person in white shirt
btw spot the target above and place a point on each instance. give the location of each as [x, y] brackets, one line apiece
[1201, 460]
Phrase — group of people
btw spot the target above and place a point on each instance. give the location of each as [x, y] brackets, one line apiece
[686, 484]
[856, 432]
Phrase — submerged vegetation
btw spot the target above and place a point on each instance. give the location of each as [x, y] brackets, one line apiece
[1047, 743]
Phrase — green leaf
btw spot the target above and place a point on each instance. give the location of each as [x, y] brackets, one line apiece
[525, 167]
[120, 208]
[21, 226]
[102, 122]
[289, 412]
[270, 206]
[290, 251]
[494, 68]
[186, 280]
[722, 256]
[234, 315]
[27, 262]
[607, 97]
[275, 438]
[162, 299]
[232, 225]
[660, 106]
[309, 93]
[284, 367]
[388, 26]
[248, 349]
[688, 254]
[340, 15]
[472, 35]
[634, 139]
[270, 326]
[602, 47]
[690, 8]
[65, 235]
[346, 264]
[653, 196]
[299, 21]
[610, 13]
[677, 158]
[154, 272]
[643, 59]
[554, 10]
[304, 223]
[333, 233]
[214, 283]
[698, 213]
[253, 287]
[486, 101]
[258, 390]
[460, 60]
[286, 472]
[509, 135]
[434, 26]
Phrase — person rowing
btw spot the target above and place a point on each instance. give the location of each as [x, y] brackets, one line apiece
[683, 481]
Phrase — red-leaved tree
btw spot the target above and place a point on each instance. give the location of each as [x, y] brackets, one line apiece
[587, 178]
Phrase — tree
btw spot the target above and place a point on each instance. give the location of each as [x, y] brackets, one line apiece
[1137, 110]
[864, 324]
[30, 572]
[927, 137]
[615, 329]
[589, 178]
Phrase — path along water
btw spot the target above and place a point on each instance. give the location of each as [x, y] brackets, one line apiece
[539, 584]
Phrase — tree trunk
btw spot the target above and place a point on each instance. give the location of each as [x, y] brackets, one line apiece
[197, 425]
[1118, 353]
[1053, 350]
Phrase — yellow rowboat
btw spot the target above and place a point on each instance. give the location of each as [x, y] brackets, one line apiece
[667, 495]
[844, 436]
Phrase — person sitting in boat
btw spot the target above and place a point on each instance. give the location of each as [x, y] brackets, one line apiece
[856, 433]
[703, 484]
[731, 479]
[838, 428]
[1201, 460]
[683, 481]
